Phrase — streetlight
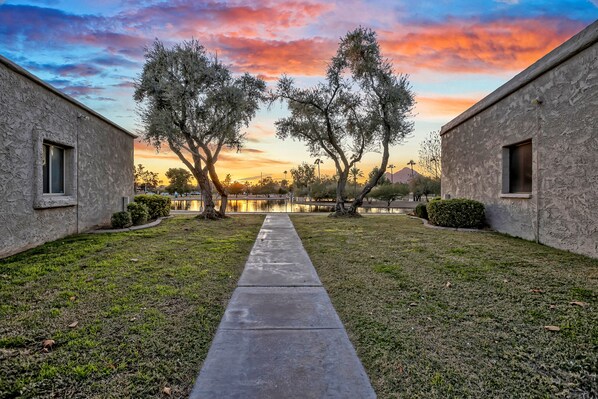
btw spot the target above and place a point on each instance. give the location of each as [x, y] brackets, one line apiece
[318, 162]
[391, 167]
[411, 163]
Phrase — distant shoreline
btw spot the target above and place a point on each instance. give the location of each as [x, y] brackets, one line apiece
[301, 200]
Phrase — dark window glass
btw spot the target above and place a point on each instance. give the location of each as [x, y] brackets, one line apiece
[520, 168]
[53, 169]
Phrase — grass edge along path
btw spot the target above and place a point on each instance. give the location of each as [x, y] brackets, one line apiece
[444, 314]
[130, 313]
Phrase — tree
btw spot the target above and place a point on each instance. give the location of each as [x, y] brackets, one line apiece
[382, 180]
[355, 174]
[179, 180]
[145, 178]
[429, 154]
[363, 106]
[390, 192]
[227, 181]
[424, 185]
[304, 175]
[236, 188]
[191, 102]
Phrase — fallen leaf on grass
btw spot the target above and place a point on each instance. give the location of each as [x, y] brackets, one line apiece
[73, 324]
[552, 328]
[552, 306]
[505, 281]
[73, 298]
[48, 343]
[134, 260]
[413, 304]
[448, 284]
[579, 303]
[537, 291]
[167, 391]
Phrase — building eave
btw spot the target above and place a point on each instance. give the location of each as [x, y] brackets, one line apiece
[578, 43]
[23, 72]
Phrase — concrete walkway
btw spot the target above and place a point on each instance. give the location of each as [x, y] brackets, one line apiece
[280, 336]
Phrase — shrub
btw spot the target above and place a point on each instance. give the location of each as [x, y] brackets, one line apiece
[421, 211]
[139, 213]
[120, 220]
[157, 205]
[458, 212]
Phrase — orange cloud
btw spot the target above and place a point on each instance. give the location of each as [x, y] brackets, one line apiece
[443, 106]
[272, 58]
[464, 46]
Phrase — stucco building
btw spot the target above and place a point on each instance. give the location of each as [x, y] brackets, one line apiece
[529, 150]
[64, 168]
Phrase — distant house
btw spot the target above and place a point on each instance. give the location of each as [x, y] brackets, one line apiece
[402, 176]
[529, 150]
[64, 168]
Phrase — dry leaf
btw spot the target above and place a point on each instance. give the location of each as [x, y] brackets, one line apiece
[48, 343]
[73, 324]
[45, 350]
[552, 328]
[413, 304]
[552, 306]
[73, 298]
[167, 390]
[537, 291]
[134, 260]
[579, 303]
[505, 281]
[448, 284]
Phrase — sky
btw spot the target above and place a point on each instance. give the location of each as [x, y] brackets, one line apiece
[455, 53]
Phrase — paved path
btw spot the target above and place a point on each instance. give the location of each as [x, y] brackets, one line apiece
[280, 336]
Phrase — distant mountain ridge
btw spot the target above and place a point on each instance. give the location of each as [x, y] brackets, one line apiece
[402, 176]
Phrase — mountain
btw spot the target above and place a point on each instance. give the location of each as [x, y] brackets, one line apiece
[402, 176]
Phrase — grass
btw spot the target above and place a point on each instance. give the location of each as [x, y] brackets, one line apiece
[147, 304]
[483, 334]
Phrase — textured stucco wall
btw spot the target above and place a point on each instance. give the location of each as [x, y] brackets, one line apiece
[564, 131]
[29, 114]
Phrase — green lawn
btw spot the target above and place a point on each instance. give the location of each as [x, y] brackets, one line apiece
[483, 336]
[146, 303]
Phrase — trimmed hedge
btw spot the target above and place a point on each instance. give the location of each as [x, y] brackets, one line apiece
[458, 212]
[120, 220]
[158, 205]
[139, 213]
[421, 211]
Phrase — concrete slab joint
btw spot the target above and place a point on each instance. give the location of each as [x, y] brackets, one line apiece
[280, 336]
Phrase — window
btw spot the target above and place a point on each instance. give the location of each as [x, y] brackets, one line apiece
[520, 168]
[53, 169]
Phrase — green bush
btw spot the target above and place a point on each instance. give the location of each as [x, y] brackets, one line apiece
[157, 205]
[421, 211]
[458, 212]
[120, 220]
[139, 213]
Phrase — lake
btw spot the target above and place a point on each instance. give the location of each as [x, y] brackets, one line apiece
[278, 205]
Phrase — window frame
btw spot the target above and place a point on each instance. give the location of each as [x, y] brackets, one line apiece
[68, 143]
[50, 145]
[506, 175]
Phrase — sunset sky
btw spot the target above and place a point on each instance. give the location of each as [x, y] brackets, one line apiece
[455, 52]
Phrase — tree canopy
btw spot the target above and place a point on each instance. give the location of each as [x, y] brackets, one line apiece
[362, 106]
[191, 102]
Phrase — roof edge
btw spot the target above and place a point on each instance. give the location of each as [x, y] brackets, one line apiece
[23, 72]
[581, 41]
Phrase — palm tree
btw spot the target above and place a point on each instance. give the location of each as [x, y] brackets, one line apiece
[391, 167]
[355, 173]
[411, 163]
[318, 162]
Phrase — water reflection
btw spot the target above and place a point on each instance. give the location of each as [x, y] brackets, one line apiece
[278, 205]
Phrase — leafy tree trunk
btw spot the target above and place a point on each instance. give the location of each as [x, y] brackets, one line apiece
[339, 208]
[209, 208]
[358, 201]
[219, 187]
